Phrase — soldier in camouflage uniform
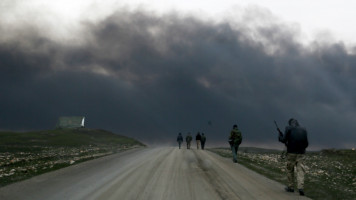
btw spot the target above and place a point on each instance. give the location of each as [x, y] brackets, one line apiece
[296, 140]
[235, 140]
[188, 139]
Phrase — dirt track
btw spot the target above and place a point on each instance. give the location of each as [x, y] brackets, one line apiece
[166, 173]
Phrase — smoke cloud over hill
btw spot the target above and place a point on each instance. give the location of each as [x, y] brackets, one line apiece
[150, 77]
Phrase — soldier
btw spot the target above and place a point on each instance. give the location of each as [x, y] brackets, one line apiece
[203, 139]
[296, 140]
[188, 139]
[198, 138]
[179, 139]
[235, 140]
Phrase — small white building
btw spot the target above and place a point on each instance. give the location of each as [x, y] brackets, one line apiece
[71, 122]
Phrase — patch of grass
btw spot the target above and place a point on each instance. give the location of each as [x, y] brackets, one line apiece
[330, 174]
[62, 137]
[27, 154]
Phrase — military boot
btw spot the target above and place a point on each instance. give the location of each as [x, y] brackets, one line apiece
[289, 189]
[301, 192]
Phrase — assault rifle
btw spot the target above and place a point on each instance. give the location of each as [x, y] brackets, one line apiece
[284, 153]
[279, 130]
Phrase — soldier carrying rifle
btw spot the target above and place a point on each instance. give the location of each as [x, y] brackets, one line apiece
[296, 140]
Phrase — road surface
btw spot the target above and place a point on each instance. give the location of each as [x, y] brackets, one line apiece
[157, 173]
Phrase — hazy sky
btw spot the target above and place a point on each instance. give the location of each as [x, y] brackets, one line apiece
[151, 69]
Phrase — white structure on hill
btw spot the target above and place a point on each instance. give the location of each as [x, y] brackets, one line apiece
[71, 122]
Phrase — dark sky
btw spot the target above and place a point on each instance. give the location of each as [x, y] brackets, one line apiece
[150, 77]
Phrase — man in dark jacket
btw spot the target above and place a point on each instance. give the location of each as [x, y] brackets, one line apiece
[296, 140]
[179, 139]
[235, 140]
[198, 138]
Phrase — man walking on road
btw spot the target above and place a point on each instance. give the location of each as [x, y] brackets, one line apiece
[179, 139]
[235, 140]
[296, 140]
[198, 138]
[203, 139]
[188, 139]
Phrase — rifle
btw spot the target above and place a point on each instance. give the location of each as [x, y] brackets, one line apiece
[284, 153]
[279, 130]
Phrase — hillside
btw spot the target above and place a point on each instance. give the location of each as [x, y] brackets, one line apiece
[61, 138]
[27, 154]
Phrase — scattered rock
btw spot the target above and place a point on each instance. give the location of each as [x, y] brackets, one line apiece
[23, 170]
[9, 174]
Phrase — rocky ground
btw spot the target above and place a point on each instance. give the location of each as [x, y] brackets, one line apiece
[19, 165]
[330, 174]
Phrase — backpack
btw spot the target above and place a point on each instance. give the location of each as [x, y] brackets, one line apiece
[235, 137]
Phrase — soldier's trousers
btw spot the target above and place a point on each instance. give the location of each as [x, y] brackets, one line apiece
[198, 144]
[202, 145]
[295, 168]
[234, 149]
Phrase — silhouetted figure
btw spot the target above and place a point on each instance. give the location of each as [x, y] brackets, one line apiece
[203, 140]
[188, 139]
[198, 138]
[296, 140]
[179, 139]
[235, 140]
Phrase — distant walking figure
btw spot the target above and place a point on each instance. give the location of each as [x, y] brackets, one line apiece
[235, 140]
[188, 139]
[179, 139]
[203, 139]
[198, 138]
[296, 140]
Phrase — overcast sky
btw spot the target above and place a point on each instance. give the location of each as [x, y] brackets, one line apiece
[152, 69]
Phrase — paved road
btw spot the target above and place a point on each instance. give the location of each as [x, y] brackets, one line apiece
[165, 173]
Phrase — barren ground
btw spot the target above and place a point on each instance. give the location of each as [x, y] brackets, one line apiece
[151, 173]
